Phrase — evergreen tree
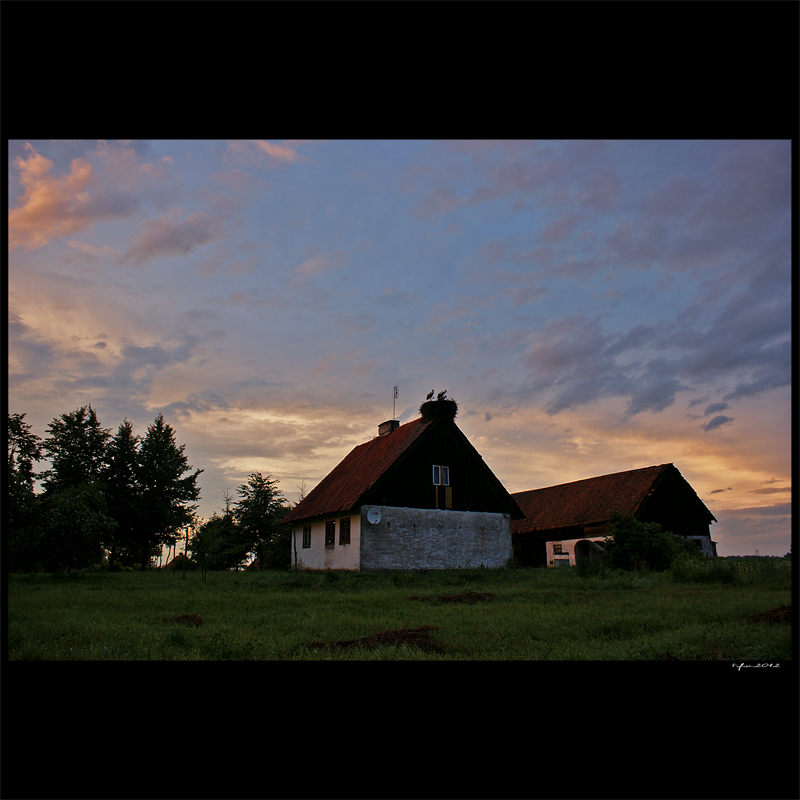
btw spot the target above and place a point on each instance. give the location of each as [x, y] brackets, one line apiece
[73, 525]
[258, 513]
[77, 448]
[167, 491]
[123, 492]
[24, 449]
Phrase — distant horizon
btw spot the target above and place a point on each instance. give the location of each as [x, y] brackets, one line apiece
[593, 306]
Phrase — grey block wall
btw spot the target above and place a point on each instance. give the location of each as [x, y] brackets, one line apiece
[416, 538]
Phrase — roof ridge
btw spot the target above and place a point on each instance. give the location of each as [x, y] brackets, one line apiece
[594, 477]
[387, 449]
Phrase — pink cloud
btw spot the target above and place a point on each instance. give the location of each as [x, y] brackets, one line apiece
[50, 206]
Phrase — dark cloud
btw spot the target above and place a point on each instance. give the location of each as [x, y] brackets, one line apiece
[135, 357]
[714, 408]
[716, 423]
[576, 359]
[168, 237]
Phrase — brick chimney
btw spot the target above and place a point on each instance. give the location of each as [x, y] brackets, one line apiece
[385, 428]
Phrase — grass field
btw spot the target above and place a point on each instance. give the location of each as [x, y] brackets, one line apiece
[472, 614]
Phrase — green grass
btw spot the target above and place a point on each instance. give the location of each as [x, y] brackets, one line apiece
[532, 615]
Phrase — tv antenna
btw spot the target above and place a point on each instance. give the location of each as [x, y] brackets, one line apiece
[394, 399]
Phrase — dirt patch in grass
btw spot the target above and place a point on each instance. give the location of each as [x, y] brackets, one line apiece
[461, 597]
[781, 615]
[413, 637]
[186, 619]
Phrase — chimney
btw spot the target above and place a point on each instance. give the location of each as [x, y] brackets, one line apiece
[385, 428]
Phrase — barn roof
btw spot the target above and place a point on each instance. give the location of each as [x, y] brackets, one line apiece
[588, 501]
[342, 488]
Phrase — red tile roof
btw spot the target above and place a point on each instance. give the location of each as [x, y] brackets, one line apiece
[341, 489]
[586, 502]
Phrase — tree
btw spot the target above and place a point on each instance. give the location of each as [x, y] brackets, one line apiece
[123, 491]
[73, 527]
[216, 545]
[77, 448]
[258, 513]
[24, 449]
[167, 491]
[638, 544]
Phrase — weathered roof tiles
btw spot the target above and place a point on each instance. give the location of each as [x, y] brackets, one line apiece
[341, 489]
[586, 502]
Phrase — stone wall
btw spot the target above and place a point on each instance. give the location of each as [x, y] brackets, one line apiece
[416, 538]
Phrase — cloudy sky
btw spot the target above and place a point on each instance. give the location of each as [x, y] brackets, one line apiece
[592, 306]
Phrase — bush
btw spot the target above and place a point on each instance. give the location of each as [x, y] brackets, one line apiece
[636, 545]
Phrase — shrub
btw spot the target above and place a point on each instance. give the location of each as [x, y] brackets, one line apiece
[636, 545]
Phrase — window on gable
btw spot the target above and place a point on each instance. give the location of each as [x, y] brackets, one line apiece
[441, 475]
[306, 536]
[330, 533]
[344, 531]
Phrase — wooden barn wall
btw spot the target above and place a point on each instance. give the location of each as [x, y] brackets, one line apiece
[410, 483]
[676, 507]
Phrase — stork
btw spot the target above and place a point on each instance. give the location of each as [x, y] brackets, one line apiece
[430, 395]
[441, 395]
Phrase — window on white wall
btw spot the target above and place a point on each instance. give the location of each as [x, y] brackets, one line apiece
[306, 536]
[344, 531]
[330, 533]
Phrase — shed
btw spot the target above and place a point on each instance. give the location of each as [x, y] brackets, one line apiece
[568, 512]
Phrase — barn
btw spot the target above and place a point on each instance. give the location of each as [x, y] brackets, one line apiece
[416, 496]
[559, 518]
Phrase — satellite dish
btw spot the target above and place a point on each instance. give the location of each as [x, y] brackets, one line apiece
[374, 516]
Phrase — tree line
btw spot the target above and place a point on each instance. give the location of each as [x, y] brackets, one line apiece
[119, 499]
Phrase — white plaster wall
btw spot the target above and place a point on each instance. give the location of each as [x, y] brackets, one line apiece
[415, 538]
[568, 549]
[318, 556]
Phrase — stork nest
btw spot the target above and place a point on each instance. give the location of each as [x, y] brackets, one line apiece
[438, 408]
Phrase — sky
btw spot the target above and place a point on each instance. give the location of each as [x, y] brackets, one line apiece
[592, 306]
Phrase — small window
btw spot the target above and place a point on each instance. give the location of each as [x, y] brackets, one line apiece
[445, 476]
[306, 536]
[556, 549]
[330, 533]
[441, 475]
[344, 531]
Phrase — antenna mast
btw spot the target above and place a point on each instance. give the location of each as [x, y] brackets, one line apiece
[394, 414]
